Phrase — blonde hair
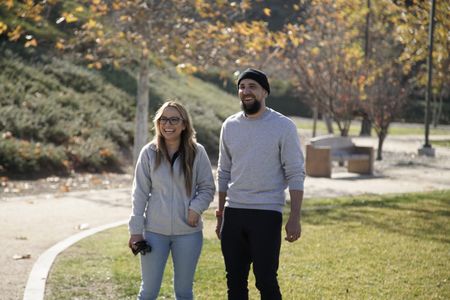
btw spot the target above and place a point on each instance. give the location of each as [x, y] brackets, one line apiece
[187, 149]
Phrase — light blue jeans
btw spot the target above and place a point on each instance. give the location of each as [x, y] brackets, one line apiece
[185, 250]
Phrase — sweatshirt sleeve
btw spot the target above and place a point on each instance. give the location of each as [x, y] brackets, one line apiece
[292, 159]
[204, 185]
[140, 193]
[224, 165]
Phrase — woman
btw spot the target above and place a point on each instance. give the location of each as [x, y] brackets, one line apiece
[173, 185]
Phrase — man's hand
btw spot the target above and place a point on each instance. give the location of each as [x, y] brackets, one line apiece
[193, 218]
[218, 226]
[293, 229]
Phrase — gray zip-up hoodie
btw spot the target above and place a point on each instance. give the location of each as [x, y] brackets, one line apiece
[159, 200]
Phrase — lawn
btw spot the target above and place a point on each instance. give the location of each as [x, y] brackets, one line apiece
[365, 247]
[395, 129]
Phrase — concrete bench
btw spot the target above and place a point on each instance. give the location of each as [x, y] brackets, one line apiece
[323, 150]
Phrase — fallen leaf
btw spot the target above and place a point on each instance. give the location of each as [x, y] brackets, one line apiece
[82, 226]
[64, 189]
[23, 256]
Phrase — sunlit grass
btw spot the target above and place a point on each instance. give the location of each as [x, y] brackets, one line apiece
[365, 247]
[355, 127]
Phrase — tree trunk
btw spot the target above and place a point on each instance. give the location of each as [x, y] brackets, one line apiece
[142, 104]
[315, 113]
[366, 126]
[381, 138]
[328, 123]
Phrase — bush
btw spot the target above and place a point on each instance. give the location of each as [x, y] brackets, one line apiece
[24, 157]
[73, 112]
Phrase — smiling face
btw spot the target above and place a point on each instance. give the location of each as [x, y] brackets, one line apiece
[252, 96]
[171, 124]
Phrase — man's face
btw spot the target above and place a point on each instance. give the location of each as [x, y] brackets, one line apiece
[252, 96]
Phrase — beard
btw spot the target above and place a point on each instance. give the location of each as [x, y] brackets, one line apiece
[251, 108]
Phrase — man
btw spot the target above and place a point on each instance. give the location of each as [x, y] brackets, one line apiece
[260, 155]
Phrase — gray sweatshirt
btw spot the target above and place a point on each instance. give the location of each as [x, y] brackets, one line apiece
[159, 200]
[258, 159]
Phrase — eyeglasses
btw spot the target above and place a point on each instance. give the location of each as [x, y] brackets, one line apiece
[172, 120]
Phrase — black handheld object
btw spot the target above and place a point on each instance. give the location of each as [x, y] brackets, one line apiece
[141, 247]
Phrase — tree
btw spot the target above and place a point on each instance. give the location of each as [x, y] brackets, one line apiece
[29, 23]
[386, 88]
[412, 32]
[131, 33]
[326, 58]
[386, 99]
[191, 34]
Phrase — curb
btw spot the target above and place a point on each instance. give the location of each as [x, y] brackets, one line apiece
[35, 288]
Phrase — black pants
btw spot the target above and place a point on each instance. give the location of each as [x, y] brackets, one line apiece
[251, 236]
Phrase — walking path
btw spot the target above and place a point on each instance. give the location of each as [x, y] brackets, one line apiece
[32, 224]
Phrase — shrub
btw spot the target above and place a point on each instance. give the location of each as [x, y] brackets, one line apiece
[24, 157]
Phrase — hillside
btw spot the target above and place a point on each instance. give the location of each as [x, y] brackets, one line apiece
[56, 117]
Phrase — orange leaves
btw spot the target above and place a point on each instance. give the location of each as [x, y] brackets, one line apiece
[60, 44]
[8, 3]
[31, 43]
[105, 153]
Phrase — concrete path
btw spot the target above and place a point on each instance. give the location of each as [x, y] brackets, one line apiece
[30, 225]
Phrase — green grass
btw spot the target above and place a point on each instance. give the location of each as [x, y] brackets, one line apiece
[445, 143]
[365, 247]
[395, 129]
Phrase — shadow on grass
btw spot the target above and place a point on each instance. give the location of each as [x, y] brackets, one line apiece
[423, 216]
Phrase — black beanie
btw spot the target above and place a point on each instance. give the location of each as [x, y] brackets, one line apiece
[257, 76]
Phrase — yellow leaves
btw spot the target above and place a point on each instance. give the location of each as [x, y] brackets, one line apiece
[267, 11]
[116, 64]
[3, 27]
[280, 40]
[295, 40]
[69, 17]
[245, 5]
[116, 5]
[60, 45]
[96, 65]
[186, 68]
[315, 51]
[90, 24]
[296, 7]
[14, 35]
[125, 18]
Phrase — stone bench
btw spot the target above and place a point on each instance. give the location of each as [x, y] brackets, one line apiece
[322, 151]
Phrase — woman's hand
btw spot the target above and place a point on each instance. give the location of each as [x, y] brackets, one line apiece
[134, 238]
[193, 218]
